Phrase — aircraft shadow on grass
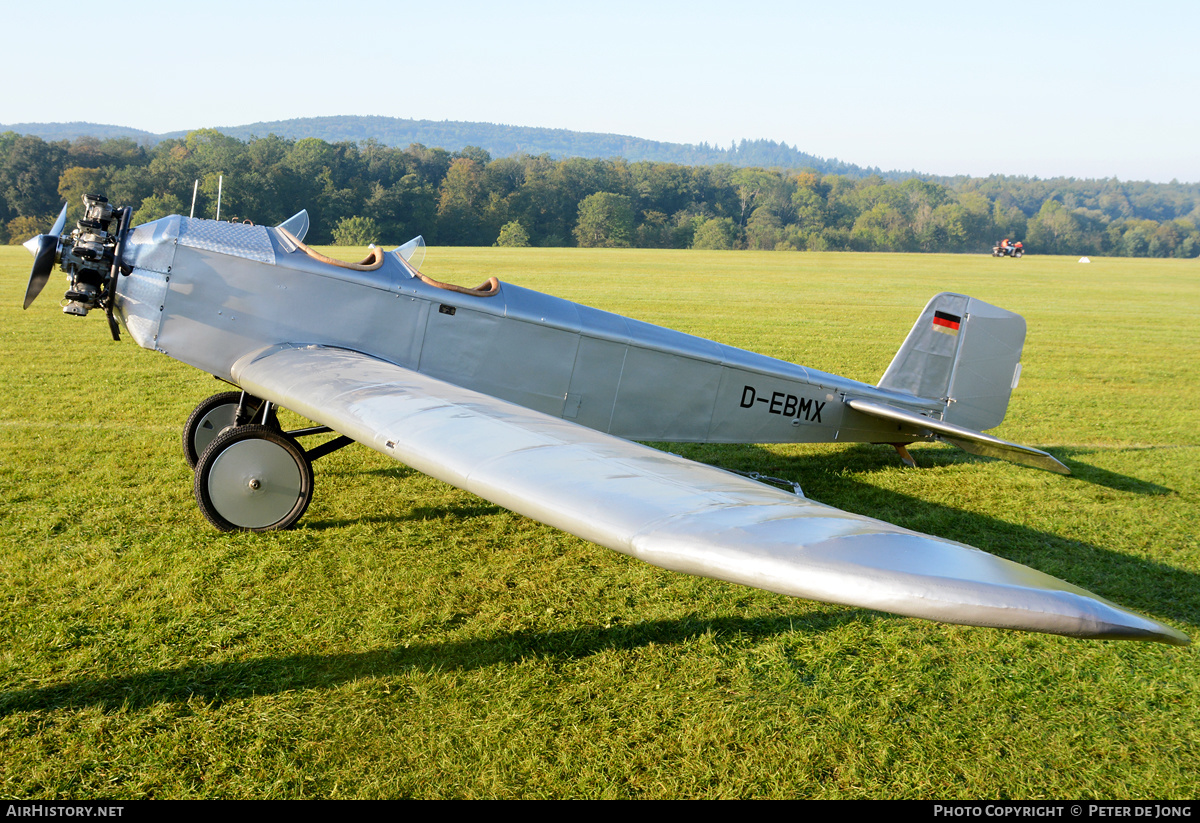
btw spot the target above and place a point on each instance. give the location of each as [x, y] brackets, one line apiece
[217, 683]
[1073, 456]
[870, 458]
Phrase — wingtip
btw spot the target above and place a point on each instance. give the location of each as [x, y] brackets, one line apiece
[1177, 639]
[1098, 618]
[1055, 465]
[1119, 623]
[1170, 636]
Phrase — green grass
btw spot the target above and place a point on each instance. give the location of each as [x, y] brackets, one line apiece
[409, 639]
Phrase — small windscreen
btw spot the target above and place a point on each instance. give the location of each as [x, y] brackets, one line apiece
[412, 252]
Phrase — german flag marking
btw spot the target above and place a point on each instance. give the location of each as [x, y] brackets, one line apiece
[946, 323]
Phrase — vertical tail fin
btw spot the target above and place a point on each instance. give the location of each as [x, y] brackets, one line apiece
[964, 352]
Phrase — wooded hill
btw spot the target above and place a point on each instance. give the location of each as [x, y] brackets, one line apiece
[497, 139]
[366, 192]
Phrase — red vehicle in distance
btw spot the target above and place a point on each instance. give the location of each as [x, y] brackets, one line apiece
[1007, 248]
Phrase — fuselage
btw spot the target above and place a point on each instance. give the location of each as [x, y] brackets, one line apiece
[209, 294]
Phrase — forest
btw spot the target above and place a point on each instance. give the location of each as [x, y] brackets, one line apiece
[363, 192]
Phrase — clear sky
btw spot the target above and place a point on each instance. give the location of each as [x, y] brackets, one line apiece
[1083, 89]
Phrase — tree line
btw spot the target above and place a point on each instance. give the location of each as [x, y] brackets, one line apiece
[367, 192]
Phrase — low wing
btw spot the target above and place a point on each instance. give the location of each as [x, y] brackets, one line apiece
[966, 439]
[669, 511]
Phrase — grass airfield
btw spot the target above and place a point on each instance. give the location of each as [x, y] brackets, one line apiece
[409, 639]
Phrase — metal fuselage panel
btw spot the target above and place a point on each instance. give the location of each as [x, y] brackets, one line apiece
[601, 370]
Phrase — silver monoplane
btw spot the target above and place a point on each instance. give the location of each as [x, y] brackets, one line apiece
[534, 403]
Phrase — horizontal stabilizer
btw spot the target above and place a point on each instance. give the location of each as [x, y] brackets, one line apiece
[670, 511]
[966, 439]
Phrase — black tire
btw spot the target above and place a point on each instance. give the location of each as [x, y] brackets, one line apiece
[253, 478]
[1017, 253]
[208, 420]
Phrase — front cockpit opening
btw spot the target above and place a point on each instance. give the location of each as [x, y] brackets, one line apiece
[370, 263]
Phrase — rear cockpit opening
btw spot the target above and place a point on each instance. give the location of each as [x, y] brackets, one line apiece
[412, 253]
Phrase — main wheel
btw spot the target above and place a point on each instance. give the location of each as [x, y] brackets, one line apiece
[253, 478]
[209, 419]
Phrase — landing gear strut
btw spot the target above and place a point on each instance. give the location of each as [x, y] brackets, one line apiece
[213, 416]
